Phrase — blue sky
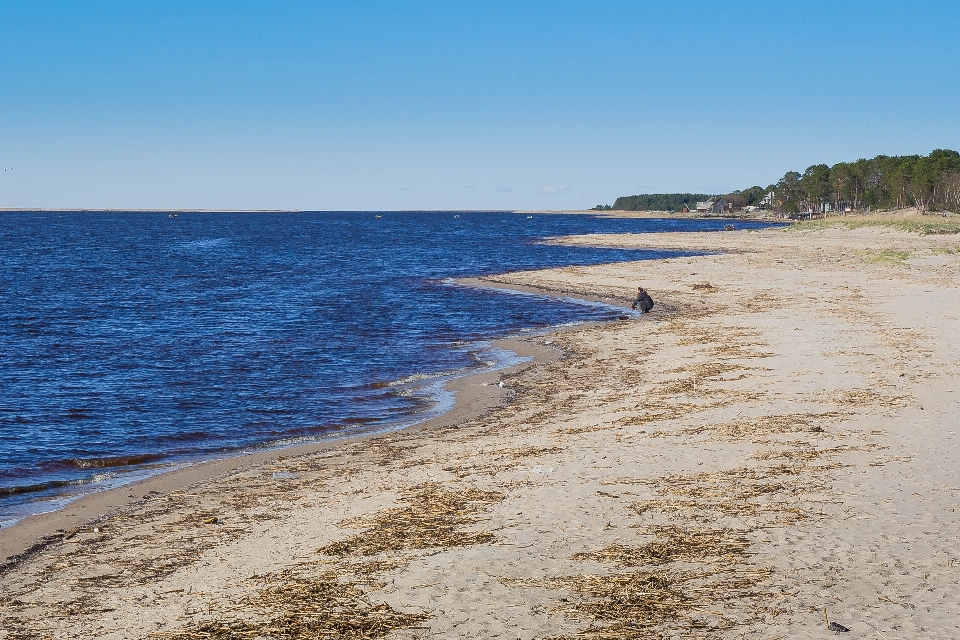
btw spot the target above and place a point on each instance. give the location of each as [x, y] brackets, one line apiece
[457, 104]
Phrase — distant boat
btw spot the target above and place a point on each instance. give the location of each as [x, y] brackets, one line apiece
[379, 216]
[529, 217]
[456, 216]
[172, 215]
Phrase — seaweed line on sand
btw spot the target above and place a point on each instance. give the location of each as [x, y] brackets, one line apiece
[433, 517]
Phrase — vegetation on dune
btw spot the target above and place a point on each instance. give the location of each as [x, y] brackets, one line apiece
[923, 225]
[885, 255]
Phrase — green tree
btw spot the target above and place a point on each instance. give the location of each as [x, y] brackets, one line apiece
[815, 185]
[754, 195]
[659, 201]
[841, 178]
[789, 192]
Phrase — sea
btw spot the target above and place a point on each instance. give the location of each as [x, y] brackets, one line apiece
[133, 343]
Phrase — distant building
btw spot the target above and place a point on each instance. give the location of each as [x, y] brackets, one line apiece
[767, 200]
[717, 205]
[684, 209]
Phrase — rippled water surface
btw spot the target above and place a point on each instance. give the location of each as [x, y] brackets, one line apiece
[129, 340]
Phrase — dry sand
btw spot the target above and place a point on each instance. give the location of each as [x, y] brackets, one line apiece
[777, 439]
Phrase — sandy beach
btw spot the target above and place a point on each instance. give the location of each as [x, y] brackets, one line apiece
[774, 444]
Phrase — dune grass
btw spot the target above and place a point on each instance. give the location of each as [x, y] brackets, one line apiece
[884, 255]
[924, 225]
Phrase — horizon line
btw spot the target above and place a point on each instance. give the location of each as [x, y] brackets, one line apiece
[122, 210]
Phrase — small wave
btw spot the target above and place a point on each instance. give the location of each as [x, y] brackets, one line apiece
[421, 377]
[208, 243]
[39, 487]
[113, 461]
[21, 489]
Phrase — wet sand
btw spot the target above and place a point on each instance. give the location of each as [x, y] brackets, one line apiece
[776, 439]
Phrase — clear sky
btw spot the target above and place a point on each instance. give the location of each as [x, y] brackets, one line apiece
[457, 103]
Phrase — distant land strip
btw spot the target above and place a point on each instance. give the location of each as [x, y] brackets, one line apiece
[78, 210]
[75, 210]
[929, 183]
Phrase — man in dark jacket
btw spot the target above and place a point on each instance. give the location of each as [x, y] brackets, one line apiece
[644, 301]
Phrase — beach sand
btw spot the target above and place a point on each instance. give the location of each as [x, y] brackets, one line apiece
[775, 441]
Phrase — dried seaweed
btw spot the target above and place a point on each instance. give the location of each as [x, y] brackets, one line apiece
[433, 517]
[298, 607]
[759, 427]
[639, 603]
[862, 398]
[742, 493]
[673, 544]
[810, 454]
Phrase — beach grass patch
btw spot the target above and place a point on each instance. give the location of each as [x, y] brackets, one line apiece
[878, 256]
[923, 225]
[945, 250]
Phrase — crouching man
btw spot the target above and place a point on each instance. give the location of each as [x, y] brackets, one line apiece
[643, 301]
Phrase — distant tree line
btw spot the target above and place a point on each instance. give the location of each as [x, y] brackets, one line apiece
[659, 201]
[929, 183]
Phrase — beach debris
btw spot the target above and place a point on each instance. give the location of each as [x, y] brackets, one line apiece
[213, 520]
[631, 605]
[870, 398]
[833, 626]
[498, 461]
[526, 452]
[296, 606]
[744, 492]
[705, 287]
[433, 517]
[285, 475]
[758, 428]
[729, 227]
[673, 544]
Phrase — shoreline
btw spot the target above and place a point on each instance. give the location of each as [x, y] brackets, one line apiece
[781, 442]
[658, 215]
[469, 401]
[474, 393]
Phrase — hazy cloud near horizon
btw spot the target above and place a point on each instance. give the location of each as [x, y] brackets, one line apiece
[425, 105]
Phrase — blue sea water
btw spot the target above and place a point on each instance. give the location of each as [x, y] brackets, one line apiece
[133, 341]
